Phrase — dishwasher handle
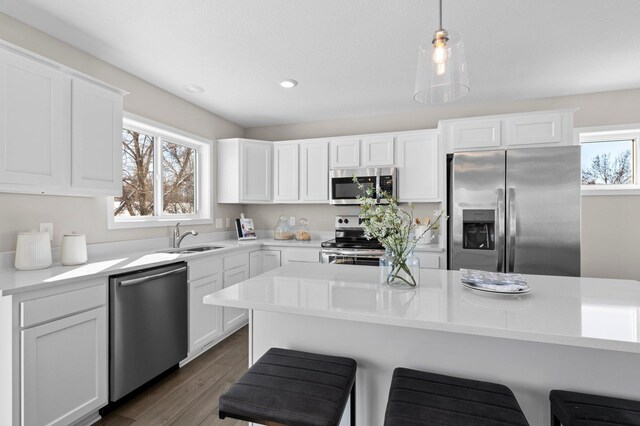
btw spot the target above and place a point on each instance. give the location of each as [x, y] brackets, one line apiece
[146, 278]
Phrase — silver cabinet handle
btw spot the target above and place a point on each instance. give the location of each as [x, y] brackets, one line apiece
[146, 278]
[513, 223]
[500, 229]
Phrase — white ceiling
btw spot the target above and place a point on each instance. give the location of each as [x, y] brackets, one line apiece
[351, 57]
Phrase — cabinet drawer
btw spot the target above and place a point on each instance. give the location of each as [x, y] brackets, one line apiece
[48, 308]
[204, 268]
[428, 260]
[236, 260]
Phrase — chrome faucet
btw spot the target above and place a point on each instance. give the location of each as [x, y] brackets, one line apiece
[177, 238]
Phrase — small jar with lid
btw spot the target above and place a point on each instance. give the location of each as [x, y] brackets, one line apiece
[302, 230]
[283, 230]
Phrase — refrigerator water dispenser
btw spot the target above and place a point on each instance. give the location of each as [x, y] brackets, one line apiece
[478, 229]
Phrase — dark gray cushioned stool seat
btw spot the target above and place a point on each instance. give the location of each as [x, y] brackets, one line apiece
[421, 398]
[292, 388]
[573, 408]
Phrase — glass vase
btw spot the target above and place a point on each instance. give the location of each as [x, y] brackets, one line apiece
[400, 270]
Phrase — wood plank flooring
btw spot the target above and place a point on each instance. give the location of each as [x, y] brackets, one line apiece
[188, 396]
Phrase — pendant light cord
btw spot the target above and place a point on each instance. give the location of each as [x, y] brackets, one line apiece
[440, 15]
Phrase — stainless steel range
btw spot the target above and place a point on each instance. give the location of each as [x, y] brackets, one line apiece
[350, 247]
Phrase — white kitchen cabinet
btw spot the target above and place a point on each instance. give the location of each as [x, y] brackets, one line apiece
[419, 166]
[285, 171]
[59, 131]
[96, 139]
[377, 151]
[522, 130]
[255, 263]
[34, 125]
[261, 261]
[64, 369]
[344, 152]
[205, 321]
[233, 317]
[314, 171]
[244, 171]
[300, 254]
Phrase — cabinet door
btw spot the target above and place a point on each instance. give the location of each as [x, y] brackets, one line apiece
[377, 151]
[285, 172]
[255, 173]
[64, 369]
[255, 263]
[418, 163]
[345, 153]
[205, 321]
[234, 316]
[34, 124]
[471, 134]
[270, 260]
[314, 171]
[534, 129]
[96, 139]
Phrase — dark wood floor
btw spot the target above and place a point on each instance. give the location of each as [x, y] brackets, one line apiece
[188, 396]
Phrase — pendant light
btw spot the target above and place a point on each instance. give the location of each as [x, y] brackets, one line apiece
[442, 69]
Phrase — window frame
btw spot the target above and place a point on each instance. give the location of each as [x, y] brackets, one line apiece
[612, 134]
[203, 171]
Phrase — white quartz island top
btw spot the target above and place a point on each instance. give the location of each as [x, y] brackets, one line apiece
[582, 312]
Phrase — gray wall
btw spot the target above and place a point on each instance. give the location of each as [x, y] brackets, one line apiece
[89, 215]
[610, 228]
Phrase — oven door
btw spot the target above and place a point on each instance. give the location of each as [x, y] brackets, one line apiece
[352, 257]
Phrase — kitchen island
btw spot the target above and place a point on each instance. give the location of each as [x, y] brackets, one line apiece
[569, 333]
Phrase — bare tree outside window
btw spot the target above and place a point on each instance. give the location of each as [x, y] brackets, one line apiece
[178, 179]
[607, 163]
[137, 175]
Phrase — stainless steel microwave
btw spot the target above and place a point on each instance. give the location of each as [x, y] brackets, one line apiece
[344, 191]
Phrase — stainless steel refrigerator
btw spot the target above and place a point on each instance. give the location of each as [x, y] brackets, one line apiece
[516, 211]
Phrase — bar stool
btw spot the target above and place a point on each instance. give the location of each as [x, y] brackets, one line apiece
[573, 408]
[421, 398]
[293, 388]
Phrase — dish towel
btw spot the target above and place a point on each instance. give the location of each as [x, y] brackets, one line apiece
[495, 281]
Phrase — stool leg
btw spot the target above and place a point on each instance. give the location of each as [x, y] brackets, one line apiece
[353, 404]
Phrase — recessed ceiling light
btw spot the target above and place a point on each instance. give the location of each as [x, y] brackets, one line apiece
[192, 88]
[289, 83]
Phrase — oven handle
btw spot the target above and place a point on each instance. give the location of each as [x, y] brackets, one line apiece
[358, 253]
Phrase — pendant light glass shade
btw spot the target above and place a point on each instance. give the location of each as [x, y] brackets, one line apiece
[442, 69]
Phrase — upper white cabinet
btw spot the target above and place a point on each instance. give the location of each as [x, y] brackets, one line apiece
[34, 124]
[345, 152]
[59, 131]
[314, 171]
[365, 151]
[377, 151]
[96, 139]
[285, 171]
[244, 171]
[419, 166]
[544, 128]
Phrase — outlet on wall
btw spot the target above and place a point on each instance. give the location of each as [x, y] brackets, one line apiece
[227, 222]
[47, 227]
[292, 221]
[218, 222]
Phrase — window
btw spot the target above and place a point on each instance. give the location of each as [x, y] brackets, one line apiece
[610, 160]
[165, 177]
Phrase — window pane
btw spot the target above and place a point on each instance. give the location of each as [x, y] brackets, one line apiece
[607, 163]
[178, 178]
[137, 175]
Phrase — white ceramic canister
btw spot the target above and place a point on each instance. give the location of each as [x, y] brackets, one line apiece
[426, 235]
[74, 249]
[33, 251]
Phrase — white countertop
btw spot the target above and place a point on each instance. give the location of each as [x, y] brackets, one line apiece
[584, 312]
[13, 281]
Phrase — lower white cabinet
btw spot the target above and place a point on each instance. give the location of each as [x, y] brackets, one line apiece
[64, 369]
[205, 321]
[233, 316]
[261, 261]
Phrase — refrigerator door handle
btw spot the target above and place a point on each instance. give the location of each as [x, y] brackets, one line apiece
[500, 229]
[512, 229]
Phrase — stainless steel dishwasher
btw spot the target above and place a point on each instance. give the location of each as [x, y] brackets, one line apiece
[148, 331]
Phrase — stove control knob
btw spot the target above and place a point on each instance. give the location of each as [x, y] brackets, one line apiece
[339, 220]
[360, 221]
[346, 221]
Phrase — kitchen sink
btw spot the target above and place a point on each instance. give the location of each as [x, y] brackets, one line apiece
[192, 249]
